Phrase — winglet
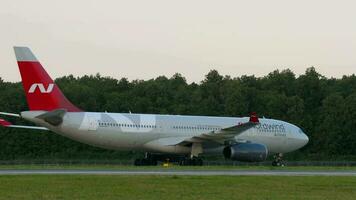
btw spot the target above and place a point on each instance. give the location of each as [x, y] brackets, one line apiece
[4, 123]
[254, 117]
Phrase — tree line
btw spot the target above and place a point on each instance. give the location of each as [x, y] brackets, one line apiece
[325, 108]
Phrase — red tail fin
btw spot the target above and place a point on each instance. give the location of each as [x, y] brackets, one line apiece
[41, 92]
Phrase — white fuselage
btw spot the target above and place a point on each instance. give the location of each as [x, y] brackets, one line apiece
[161, 133]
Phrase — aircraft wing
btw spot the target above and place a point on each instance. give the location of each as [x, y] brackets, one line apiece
[224, 135]
[7, 124]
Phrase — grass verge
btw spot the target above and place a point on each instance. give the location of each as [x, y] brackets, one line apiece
[175, 187]
[176, 167]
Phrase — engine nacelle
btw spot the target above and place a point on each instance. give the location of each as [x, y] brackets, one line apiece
[246, 152]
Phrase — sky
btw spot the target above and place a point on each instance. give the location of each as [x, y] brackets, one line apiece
[145, 39]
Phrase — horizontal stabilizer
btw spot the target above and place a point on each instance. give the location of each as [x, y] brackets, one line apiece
[10, 114]
[7, 124]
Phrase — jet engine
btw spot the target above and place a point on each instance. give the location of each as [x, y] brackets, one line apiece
[246, 152]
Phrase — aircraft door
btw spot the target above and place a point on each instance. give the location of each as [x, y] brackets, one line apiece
[92, 124]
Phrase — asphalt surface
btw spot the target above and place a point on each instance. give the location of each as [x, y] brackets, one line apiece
[178, 172]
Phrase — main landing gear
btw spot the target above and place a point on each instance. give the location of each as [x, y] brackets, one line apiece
[153, 159]
[194, 161]
[148, 160]
[278, 160]
[145, 162]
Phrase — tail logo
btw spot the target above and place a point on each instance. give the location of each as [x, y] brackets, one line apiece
[41, 87]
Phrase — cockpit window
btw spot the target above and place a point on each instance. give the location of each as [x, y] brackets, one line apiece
[300, 131]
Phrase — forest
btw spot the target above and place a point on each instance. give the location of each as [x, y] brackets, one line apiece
[325, 108]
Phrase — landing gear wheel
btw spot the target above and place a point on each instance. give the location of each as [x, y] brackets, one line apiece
[278, 160]
[145, 162]
[199, 162]
[138, 162]
[148, 160]
[195, 161]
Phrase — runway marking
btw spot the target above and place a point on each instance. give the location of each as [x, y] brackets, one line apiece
[179, 172]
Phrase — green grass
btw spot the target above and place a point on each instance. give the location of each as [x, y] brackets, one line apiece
[174, 167]
[175, 187]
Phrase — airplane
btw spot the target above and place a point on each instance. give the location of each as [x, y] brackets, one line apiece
[181, 138]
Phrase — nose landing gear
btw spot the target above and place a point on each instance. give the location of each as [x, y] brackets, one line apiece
[278, 160]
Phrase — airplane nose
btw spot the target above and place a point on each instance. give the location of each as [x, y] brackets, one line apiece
[304, 139]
